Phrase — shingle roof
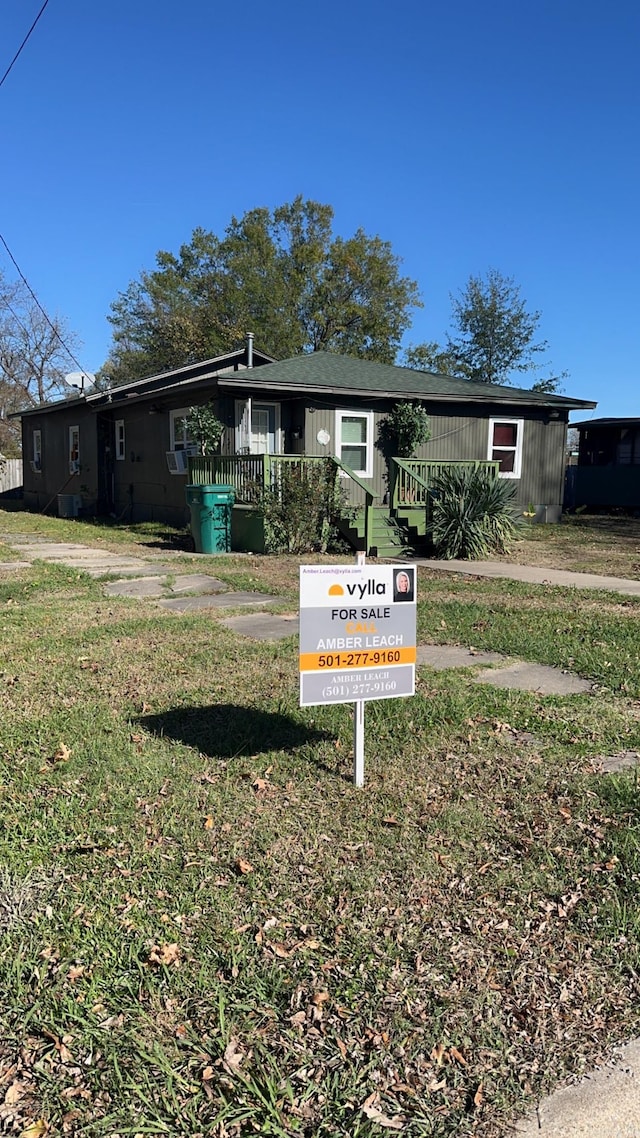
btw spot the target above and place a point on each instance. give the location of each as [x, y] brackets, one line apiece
[621, 422]
[326, 372]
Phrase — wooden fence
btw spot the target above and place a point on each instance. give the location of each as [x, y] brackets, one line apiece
[10, 475]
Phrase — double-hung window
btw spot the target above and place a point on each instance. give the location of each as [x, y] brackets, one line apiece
[36, 461]
[179, 436]
[354, 441]
[120, 443]
[505, 446]
[74, 450]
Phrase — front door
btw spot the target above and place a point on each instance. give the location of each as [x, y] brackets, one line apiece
[264, 428]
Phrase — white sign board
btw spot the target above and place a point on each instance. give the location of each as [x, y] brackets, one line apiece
[357, 633]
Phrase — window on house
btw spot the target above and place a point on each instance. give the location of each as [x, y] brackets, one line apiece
[354, 440]
[36, 461]
[119, 428]
[505, 445]
[179, 438]
[74, 450]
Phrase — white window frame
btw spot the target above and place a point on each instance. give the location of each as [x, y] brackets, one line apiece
[36, 449]
[179, 440]
[345, 413]
[119, 440]
[74, 450]
[517, 449]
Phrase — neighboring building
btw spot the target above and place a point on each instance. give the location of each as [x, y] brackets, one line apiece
[607, 474]
[123, 452]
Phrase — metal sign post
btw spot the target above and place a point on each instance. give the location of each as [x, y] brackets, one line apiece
[357, 638]
[358, 720]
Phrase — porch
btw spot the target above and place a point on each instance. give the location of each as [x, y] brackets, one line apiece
[388, 527]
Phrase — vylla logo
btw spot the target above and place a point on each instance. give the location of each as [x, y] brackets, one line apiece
[370, 587]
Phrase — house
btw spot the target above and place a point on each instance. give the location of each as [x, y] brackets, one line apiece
[124, 452]
[607, 472]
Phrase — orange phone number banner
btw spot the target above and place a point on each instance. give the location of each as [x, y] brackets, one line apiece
[369, 658]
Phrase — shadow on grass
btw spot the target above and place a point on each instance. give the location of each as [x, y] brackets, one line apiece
[226, 730]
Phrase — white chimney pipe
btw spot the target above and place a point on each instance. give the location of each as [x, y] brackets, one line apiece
[249, 349]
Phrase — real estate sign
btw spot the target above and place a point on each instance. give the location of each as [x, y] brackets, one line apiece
[357, 632]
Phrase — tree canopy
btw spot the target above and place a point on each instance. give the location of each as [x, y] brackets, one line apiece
[280, 274]
[494, 337]
[33, 359]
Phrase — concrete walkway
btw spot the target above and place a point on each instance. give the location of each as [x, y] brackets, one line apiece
[533, 575]
[604, 1104]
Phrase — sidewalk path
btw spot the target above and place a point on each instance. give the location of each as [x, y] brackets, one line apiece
[604, 1104]
[534, 575]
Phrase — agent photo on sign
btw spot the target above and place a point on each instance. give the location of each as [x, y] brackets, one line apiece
[404, 584]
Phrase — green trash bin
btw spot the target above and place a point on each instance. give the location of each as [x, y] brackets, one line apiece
[211, 508]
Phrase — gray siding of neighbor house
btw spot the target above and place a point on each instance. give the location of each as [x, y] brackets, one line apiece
[457, 435]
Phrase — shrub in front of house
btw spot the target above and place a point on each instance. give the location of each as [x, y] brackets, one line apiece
[473, 513]
[303, 507]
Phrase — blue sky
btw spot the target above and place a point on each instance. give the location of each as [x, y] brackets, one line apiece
[470, 136]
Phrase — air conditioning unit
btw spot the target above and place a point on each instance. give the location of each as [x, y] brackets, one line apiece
[177, 461]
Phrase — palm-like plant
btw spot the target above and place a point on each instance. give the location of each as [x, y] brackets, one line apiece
[473, 513]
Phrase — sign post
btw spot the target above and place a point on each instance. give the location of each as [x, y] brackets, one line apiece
[357, 638]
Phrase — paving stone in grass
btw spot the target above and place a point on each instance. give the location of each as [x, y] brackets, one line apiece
[611, 764]
[515, 674]
[264, 625]
[441, 656]
[158, 587]
[218, 600]
[521, 676]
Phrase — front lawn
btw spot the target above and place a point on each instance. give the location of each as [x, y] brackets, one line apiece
[205, 929]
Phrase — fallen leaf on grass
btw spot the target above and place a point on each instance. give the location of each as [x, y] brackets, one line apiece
[372, 1111]
[207, 1074]
[390, 821]
[478, 1097]
[320, 998]
[166, 954]
[233, 1057]
[458, 1056]
[208, 822]
[15, 1092]
[243, 866]
[35, 1129]
[111, 1021]
[62, 755]
[438, 1053]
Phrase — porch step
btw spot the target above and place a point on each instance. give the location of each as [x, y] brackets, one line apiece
[390, 536]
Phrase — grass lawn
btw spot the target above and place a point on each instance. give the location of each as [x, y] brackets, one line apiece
[205, 929]
[583, 543]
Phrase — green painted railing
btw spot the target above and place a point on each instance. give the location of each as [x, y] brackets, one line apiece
[250, 474]
[412, 478]
[367, 493]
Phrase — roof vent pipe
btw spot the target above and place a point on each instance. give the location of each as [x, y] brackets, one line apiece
[249, 349]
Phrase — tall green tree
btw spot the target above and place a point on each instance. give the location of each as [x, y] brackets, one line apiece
[493, 340]
[280, 274]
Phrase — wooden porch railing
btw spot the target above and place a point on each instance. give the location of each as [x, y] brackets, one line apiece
[412, 478]
[250, 474]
